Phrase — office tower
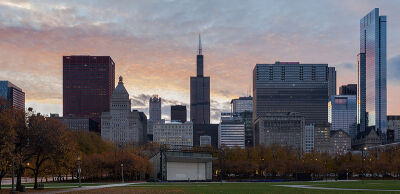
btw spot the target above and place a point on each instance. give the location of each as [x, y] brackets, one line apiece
[231, 131]
[79, 124]
[322, 137]
[155, 108]
[173, 134]
[340, 142]
[349, 89]
[200, 93]
[372, 73]
[209, 130]
[88, 83]
[121, 125]
[283, 128]
[331, 81]
[178, 113]
[12, 94]
[393, 123]
[242, 104]
[342, 113]
[291, 87]
[247, 119]
[308, 138]
[143, 125]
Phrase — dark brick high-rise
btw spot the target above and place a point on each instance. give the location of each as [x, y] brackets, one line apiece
[88, 82]
[178, 113]
[200, 93]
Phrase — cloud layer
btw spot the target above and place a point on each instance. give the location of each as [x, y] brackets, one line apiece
[154, 43]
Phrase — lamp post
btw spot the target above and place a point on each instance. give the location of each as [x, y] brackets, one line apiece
[122, 172]
[79, 171]
[362, 160]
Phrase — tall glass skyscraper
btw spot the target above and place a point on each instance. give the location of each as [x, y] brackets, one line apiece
[371, 94]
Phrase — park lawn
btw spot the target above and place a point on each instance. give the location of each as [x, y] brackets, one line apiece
[248, 187]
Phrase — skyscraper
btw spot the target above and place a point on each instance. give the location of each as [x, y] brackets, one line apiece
[349, 89]
[372, 73]
[231, 132]
[200, 93]
[121, 125]
[342, 113]
[88, 83]
[331, 81]
[155, 108]
[291, 87]
[12, 94]
[178, 113]
[242, 104]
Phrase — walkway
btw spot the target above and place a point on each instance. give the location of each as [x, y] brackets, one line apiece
[92, 187]
[338, 189]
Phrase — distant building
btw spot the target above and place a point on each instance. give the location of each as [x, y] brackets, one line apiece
[247, 119]
[88, 83]
[200, 93]
[365, 139]
[342, 113]
[155, 108]
[280, 128]
[121, 125]
[242, 104]
[231, 131]
[205, 140]
[291, 87]
[349, 89]
[173, 165]
[331, 81]
[322, 137]
[79, 124]
[372, 73]
[12, 94]
[308, 138]
[173, 134]
[394, 124]
[178, 113]
[340, 142]
[142, 125]
[210, 130]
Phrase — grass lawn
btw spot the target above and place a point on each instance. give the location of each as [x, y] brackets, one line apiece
[250, 187]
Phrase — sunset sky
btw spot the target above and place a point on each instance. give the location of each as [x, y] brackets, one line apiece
[154, 44]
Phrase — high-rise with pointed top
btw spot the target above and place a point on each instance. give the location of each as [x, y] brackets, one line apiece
[200, 93]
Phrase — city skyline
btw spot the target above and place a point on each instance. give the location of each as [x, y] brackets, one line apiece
[159, 59]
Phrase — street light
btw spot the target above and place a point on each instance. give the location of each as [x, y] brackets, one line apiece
[79, 171]
[122, 172]
[362, 160]
[12, 181]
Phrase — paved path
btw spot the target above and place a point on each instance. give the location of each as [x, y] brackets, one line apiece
[338, 189]
[92, 187]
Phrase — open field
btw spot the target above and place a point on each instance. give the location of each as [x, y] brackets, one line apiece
[378, 186]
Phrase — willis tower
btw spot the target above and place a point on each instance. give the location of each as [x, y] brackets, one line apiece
[200, 93]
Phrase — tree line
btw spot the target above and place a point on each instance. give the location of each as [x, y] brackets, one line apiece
[40, 146]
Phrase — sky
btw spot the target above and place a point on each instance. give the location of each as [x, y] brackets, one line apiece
[154, 44]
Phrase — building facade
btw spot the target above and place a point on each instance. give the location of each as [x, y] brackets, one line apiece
[394, 124]
[210, 130]
[242, 104]
[291, 87]
[372, 74]
[342, 113]
[121, 125]
[349, 89]
[331, 81]
[308, 138]
[322, 137]
[280, 128]
[178, 113]
[231, 132]
[14, 95]
[88, 83]
[79, 124]
[200, 93]
[340, 142]
[155, 108]
[173, 134]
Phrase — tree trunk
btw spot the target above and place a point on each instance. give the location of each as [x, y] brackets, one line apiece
[20, 171]
[36, 172]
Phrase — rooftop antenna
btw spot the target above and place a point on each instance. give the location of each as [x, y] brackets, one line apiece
[200, 49]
